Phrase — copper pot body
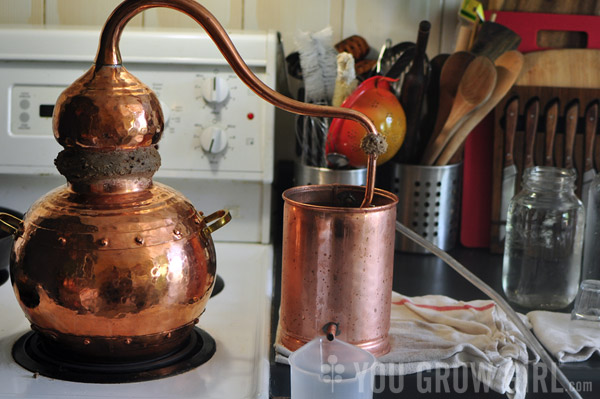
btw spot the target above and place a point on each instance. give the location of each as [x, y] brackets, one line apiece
[337, 265]
[114, 275]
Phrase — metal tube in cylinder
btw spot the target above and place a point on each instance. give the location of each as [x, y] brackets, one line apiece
[337, 265]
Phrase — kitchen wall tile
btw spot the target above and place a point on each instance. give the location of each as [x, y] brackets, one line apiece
[82, 13]
[397, 20]
[290, 16]
[22, 12]
[229, 14]
[450, 25]
[375, 20]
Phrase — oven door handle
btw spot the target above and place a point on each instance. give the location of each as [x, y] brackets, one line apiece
[220, 219]
[9, 223]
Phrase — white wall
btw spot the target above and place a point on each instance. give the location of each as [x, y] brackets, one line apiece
[376, 20]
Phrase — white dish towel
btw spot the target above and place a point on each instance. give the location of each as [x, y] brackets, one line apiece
[434, 332]
[568, 340]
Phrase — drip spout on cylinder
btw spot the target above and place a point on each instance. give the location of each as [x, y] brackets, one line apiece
[331, 330]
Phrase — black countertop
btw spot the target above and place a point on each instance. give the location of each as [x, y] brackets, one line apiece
[415, 275]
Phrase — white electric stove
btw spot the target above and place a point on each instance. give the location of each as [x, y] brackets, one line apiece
[203, 102]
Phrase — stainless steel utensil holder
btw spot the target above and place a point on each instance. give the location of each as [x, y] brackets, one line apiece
[307, 175]
[429, 204]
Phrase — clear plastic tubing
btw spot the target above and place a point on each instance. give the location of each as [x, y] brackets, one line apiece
[530, 339]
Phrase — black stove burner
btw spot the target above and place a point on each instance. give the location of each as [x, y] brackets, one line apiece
[4, 277]
[219, 285]
[37, 355]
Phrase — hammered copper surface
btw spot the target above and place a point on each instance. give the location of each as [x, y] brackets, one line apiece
[337, 265]
[105, 109]
[113, 265]
[117, 348]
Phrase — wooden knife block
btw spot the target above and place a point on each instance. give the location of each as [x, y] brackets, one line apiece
[545, 94]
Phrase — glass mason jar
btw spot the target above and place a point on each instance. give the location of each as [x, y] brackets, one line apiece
[591, 249]
[544, 240]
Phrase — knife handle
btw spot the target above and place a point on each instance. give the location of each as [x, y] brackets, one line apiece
[531, 123]
[551, 119]
[512, 113]
[570, 130]
[591, 122]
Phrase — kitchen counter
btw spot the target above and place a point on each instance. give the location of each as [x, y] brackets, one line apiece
[416, 275]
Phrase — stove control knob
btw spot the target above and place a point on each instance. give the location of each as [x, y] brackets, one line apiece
[215, 91]
[213, 140]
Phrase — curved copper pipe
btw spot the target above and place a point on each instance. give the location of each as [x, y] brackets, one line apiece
[108, 54]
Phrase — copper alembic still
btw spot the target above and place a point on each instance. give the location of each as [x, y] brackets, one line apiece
[112, 267]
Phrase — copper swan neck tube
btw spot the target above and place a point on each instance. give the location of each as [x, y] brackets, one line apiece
[108, 54]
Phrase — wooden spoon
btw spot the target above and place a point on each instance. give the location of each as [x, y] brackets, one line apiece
[452, 70]
[508, 68]
[474, 89]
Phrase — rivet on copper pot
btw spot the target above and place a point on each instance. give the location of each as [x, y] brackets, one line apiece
[103, 242]
[169, 335]
[177, 234]
[62, 240]
[87, 341]
[128, 341]
[139, 240]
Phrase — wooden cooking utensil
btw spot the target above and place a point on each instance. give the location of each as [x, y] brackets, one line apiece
[571, 120]
[561, 68]
[475, 87]
[531, 125]
[551, 121]
[508, 67]
[453, 69]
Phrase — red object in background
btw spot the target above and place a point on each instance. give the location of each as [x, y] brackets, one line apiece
[477, 168]
[475, 223]
[529, 24]
[374, 98]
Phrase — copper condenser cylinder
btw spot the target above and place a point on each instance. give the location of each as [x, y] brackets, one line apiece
[337, 265]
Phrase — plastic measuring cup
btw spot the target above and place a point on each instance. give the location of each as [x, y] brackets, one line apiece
[331, 370]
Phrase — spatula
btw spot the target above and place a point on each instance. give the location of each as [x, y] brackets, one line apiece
[475, 87]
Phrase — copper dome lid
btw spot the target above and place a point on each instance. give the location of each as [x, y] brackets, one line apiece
[106, 109]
